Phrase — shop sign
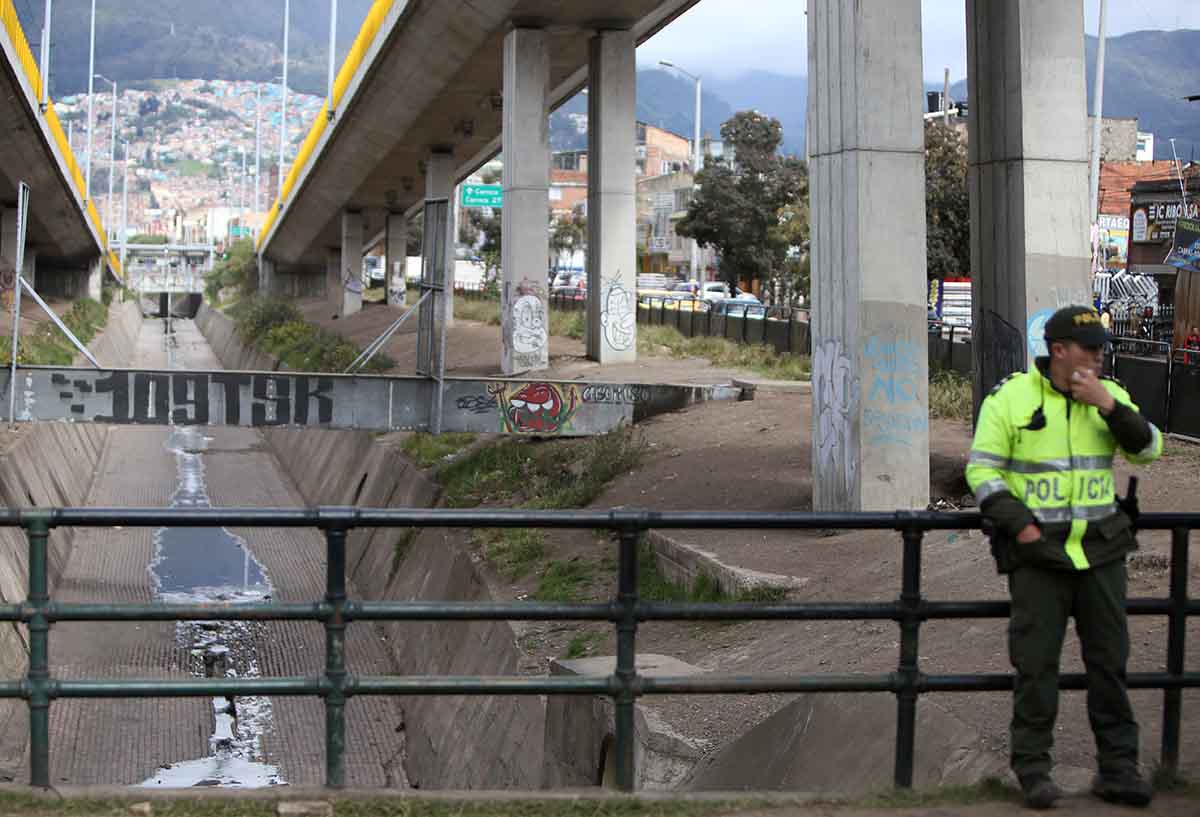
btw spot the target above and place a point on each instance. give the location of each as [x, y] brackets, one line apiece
[1185, 249]
[1154, 221]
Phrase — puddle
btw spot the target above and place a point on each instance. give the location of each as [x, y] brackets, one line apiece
[205, 565]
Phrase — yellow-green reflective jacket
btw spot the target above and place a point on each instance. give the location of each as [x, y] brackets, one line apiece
[1061, 473]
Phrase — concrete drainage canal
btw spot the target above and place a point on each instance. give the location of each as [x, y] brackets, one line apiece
[210, 565]
[213, 565]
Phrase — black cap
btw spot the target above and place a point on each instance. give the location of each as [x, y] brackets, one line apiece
[1078, 323]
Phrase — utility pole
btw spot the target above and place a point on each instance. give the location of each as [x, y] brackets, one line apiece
[44, 100]
[697, 161]
[87, 180]
[112, 155]
[125, 209]
[287, 12]
[329, 112]
[1097, 110]
[257, 144]
[946, 99]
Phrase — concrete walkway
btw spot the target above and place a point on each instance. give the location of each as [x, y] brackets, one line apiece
[126, 741]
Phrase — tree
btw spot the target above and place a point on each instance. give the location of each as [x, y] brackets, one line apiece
[750, 207]
[947, 207]
[568, 234]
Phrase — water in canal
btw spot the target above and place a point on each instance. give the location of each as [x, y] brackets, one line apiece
[207, 564]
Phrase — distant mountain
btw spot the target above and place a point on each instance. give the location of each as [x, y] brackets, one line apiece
[192, 39]
[1147, 74]
[781, 96]
[668, 101]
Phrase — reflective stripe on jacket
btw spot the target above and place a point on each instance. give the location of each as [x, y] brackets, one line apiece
[1061, 471]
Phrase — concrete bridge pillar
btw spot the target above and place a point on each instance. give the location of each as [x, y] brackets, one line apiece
[333, 280]
[351, 263]
[870, 411]
[1028, 174]
[612, 198]
[95, 278]
[524, 307]
[439, 184]
[266, 276]
[395, 257]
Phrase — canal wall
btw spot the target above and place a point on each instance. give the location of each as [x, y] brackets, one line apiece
[46, 465]
[452, 742]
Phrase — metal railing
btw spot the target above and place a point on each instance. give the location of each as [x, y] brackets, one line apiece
[626, 611]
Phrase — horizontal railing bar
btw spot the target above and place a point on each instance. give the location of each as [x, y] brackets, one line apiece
[562, 685]
[477, 611]
[483, 685]
[217, 611]
[336, 516]
[539, 611]
[762, 611]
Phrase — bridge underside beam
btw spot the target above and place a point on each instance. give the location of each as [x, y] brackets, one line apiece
[255, 399]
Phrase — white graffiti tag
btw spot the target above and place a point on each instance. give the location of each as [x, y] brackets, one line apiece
[836, 396]
[529, 325]
[618, 319]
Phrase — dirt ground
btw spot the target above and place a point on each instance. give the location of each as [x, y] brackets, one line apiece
[756, 456]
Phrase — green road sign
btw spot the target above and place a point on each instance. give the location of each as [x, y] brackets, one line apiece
[482, 195]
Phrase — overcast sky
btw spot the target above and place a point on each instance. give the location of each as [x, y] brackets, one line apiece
[770, 35]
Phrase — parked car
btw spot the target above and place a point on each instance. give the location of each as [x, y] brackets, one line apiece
[739, 308]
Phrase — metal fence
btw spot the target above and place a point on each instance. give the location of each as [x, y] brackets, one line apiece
[626, 611]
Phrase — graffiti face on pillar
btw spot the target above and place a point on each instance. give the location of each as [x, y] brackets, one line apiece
[618, 318]
[8, 283]
[538, 408]
[529, 325]
[835, 396]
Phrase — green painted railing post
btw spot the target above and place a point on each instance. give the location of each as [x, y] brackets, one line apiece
[626, 670]
[909, 670]
[38, 677]
[335, 658]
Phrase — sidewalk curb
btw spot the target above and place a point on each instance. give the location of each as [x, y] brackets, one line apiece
[684, 563]
[776, 386]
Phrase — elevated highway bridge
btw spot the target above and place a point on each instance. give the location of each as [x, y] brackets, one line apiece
[66, 246]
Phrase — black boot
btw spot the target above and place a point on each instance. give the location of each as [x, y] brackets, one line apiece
[1040, 791]
[1126, 787]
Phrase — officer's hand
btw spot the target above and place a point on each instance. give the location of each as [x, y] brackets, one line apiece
[1029, 534]
[1087, 388]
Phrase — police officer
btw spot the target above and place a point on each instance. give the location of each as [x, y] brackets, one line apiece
[1041, 470]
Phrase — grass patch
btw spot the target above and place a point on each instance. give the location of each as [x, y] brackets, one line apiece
[763, 360]
[428, 450]
[514, 551]
[542, 475]
[28, 804]
[989, 790]
[950, 396]
[564, 323]
[46, 345]
[276, 327]
[584, 644]
[400, 550]
[564, 581]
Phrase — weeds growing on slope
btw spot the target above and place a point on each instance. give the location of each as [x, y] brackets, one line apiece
[950, 396]
[46, 345]
[278, 328]
[428, 450]
[761, 359]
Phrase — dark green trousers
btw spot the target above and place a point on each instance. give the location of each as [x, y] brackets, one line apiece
[1042, 600]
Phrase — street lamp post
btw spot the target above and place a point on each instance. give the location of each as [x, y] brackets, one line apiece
[329, 112]
[87, 182]
[44, 99]
[125, 207]
[112, 155]
[257, 143]
[696, 161]
[287, 13]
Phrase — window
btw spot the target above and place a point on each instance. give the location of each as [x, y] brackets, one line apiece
[683, 198]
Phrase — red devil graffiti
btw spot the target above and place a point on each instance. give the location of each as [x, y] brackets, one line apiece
[539, 408]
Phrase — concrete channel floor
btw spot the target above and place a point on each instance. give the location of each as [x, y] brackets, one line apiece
[105, 741]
